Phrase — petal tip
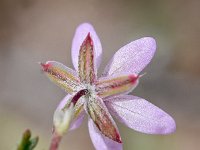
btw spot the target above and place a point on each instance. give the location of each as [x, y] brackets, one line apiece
[86, 26]
[170, 127]
[151, 42]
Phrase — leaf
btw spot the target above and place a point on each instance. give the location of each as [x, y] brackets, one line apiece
[26, 142]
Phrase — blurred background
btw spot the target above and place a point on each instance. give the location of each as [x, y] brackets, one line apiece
[40, 30]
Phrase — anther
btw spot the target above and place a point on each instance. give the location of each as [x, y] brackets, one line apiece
[78, 95]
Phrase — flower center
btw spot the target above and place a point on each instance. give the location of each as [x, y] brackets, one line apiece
[91, 90]
[88, 90]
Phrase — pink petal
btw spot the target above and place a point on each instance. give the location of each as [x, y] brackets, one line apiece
[140, 115]
[80, 35]
[64, 101]
[132, 58]
[101, 142]
[77, 121]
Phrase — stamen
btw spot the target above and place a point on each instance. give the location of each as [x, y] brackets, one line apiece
[78, 95]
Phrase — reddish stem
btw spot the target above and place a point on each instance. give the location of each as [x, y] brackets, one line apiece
[55, 141]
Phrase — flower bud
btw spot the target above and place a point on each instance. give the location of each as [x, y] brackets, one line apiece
[62, 119]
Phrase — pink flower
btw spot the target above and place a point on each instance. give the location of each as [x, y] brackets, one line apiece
[100, 97]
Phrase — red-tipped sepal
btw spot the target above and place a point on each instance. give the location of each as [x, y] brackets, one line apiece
[102, 118]
[87, 73]
[61, 75]
[116, 85]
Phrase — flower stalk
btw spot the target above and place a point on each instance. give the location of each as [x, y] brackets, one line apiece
[55, 141]
[62, 120]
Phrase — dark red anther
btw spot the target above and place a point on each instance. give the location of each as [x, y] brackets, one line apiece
[78, 95]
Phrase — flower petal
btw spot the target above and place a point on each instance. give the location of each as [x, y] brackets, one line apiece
[116, 85]
[76, 123]
[61, 75]
[79, 111]
[140, 115]
[99, 141]
[132, 58]
[102, 118]
[87, 72]
[80, 35]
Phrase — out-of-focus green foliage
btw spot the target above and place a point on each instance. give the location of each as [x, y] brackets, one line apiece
[28, 143]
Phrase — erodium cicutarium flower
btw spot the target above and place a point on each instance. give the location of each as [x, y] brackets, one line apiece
[99, 98]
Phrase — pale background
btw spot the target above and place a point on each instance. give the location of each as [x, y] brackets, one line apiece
[40, 30]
